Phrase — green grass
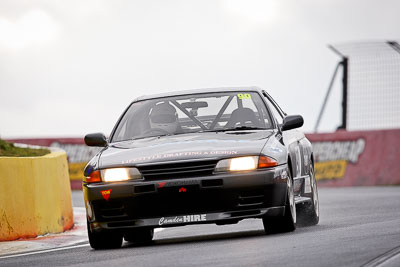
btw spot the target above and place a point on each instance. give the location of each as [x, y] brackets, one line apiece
[9, 150]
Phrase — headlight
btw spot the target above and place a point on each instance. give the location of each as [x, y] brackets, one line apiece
[120, 174]
[245, 163]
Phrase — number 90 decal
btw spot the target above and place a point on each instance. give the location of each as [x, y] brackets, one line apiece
[244, 96]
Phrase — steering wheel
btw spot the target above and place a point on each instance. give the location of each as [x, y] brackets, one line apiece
[156, 130]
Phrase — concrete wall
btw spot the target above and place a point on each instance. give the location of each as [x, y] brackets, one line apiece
[78, 154]
[35, 196]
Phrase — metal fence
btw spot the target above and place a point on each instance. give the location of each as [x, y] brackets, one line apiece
[371, 85]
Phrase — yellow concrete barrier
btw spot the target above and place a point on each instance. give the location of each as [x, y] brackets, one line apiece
[35, 196]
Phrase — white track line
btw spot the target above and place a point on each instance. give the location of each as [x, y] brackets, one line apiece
[43, 251]
[384, 258]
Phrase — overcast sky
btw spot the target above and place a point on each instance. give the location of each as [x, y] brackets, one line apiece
[68, 68]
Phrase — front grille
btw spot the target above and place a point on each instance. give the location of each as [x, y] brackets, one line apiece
[178, 169]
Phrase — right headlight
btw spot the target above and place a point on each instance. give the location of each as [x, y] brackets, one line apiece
[114, 175]
[120, 174]
[245, 163]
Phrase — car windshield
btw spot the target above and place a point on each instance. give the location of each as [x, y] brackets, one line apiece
[228, 111]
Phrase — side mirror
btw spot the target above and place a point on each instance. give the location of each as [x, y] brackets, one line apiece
[96, 139]
[291, 122]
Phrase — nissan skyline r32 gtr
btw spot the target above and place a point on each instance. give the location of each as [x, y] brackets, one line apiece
[201, 156]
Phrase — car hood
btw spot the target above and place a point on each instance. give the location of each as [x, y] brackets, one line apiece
[184, 147]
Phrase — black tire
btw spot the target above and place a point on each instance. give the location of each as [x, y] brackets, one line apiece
[308, 212]
[104, 240]
[143, 235]
[286, 223]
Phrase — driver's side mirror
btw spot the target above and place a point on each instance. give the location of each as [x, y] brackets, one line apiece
[291, 122]
[96, 139]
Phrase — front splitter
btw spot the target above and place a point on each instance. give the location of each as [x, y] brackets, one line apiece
[181, 220]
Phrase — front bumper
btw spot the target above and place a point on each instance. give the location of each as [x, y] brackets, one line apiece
[173, 202]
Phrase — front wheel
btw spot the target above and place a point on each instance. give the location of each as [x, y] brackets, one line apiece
[309, 211]
[104, 240]
[286, 223]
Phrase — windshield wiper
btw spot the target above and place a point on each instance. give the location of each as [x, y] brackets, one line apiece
[239, 128]
[158, 135]
[147, 136]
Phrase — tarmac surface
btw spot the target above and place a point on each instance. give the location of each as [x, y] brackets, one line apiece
[359, 226]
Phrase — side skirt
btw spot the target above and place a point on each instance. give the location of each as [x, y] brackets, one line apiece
[302, 184]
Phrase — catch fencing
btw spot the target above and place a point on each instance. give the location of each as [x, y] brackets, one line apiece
[371, 85]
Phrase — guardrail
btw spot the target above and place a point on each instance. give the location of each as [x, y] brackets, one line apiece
[35, 196]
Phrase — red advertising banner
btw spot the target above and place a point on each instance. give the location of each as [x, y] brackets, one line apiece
[341, 158]
[357, 158]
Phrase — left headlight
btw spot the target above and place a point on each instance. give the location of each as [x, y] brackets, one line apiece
[120, 174]
[245, 163]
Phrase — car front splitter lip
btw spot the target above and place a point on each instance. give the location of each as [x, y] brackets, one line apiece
[181, 220]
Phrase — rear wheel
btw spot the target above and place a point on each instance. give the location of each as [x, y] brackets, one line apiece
[104, 240]
[139, 235]
[309, 211]
[286, 223]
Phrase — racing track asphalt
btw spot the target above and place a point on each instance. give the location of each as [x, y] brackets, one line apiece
[357, 226]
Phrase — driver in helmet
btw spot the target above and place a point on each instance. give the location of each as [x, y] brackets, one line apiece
[164, 118]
